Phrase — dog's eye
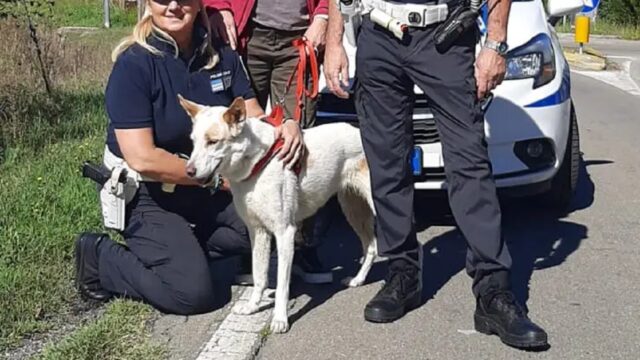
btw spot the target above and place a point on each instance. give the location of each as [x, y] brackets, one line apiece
[211, 142]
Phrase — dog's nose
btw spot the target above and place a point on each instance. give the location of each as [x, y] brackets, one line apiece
[191, 170]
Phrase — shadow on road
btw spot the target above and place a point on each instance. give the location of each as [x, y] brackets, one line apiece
[536, 238]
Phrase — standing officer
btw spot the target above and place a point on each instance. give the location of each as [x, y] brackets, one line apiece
[387, 68]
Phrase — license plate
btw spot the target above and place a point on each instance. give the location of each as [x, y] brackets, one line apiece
[416, 161]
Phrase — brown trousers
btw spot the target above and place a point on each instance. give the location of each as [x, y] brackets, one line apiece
[271, 59]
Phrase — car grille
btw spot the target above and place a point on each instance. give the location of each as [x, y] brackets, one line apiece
[424, 125]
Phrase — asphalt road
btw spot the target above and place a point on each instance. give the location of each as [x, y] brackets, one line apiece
[579, 274]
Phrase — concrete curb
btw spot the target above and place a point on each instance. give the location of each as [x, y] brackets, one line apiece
[567, 35]
[76, 30]
[590, 60]
[239, 337]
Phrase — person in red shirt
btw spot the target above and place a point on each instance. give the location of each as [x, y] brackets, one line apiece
[262, 32]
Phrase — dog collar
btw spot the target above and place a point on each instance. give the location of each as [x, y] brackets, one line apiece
[274, 119]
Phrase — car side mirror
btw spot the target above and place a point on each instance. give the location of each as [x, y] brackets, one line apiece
[559, 8]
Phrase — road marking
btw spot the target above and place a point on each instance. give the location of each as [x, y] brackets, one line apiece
[467, 332]
[619, 57]
[239, 336]
[620, 78]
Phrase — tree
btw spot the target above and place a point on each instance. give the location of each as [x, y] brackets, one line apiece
[625, 12]
[31, 12]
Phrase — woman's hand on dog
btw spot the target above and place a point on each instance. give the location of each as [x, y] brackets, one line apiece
[293, 147]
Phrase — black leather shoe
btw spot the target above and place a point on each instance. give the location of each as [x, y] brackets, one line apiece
[500, 313]
[401, 292]
[87, 277]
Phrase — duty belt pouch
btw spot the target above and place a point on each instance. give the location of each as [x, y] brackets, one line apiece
[113, 200]
[460, 20]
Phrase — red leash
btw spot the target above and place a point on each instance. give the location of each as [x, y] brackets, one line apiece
[276, 117]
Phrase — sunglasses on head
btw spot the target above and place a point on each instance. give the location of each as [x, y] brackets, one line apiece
[167, 2]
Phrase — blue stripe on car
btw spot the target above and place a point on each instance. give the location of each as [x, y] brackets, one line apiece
[559, 96]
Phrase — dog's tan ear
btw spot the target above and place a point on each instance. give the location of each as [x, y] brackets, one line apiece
[236, 113]
[190, 107]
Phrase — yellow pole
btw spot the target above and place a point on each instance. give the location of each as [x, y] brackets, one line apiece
[582, 30]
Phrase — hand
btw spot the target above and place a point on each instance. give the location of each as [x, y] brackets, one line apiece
[336, 69]
[224, 26]
[293, 147]
[489, 71]
[316, 32]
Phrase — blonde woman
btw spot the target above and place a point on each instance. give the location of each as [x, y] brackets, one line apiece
[169, 231]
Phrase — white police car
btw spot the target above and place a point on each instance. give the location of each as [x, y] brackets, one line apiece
[530, 126]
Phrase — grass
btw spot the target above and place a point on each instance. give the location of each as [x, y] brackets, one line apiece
[116, 335]
[45, 203]
[89, 13]
[603, 27]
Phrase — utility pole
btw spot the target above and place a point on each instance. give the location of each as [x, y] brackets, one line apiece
[107, 17]
[140, 9]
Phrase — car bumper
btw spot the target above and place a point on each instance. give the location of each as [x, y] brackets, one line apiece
[548, 124]
[518, 115]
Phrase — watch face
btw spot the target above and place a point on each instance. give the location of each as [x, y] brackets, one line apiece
[503, 47]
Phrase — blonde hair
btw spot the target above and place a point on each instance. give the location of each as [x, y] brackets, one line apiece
[145, 28]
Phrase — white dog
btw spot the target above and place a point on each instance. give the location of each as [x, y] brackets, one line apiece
[275, 201]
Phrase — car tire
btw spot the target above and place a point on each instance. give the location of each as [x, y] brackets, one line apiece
[564, 183]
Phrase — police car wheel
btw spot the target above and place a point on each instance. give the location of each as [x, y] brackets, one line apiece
[563, 185]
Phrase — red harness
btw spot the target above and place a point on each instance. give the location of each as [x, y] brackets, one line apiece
[276, 118]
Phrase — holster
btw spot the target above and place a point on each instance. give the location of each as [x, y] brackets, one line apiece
[117, 191]
[351, 11]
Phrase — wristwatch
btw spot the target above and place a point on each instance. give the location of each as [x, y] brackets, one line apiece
[500, 47]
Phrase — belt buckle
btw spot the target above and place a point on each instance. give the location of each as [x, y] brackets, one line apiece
[415, 18]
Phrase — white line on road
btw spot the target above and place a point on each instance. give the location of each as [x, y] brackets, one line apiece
[620, 79]
[619, 57]
[467, 332]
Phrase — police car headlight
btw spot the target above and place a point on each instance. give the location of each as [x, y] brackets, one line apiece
[535, 59]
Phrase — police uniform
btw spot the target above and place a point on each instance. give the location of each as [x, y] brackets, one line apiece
[387, 69]
[169, 233]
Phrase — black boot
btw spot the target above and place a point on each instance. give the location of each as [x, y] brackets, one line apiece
[87, 277]
[500, 313]
[401, 292]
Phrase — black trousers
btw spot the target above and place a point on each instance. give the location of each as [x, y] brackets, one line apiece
[168, 236]
[387, 70]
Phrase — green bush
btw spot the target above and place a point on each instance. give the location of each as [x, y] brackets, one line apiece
[626, 12]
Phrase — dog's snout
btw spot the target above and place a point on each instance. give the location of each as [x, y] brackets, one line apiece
[191, 170]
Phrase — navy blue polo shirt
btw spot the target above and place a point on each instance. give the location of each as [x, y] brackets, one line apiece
[143, 89]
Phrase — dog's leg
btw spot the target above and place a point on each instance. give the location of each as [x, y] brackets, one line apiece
[370, 255]
[360, 217]
[260, 253]
[285, 244]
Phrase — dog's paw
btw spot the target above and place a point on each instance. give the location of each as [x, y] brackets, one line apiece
[352, 282]
[245, 308]
[279, 326]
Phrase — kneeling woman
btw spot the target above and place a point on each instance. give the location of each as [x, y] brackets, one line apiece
[169, 228]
